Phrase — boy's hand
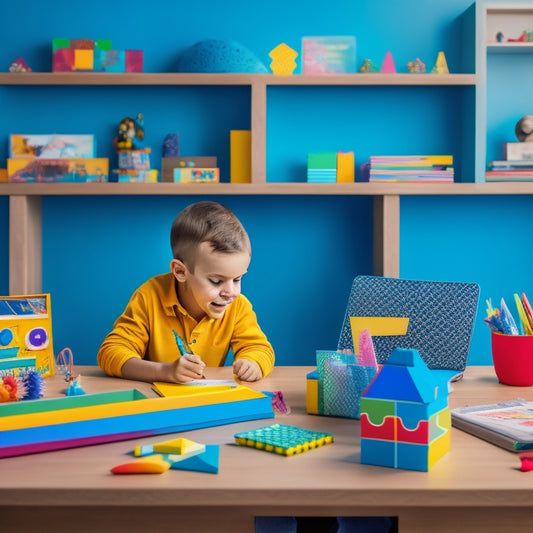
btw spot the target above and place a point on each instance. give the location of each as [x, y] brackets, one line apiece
[187, 368]
[247, 370]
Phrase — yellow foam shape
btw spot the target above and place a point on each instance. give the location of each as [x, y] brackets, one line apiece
[283, 57]
[378, 326]
[179, 446]
[148, 405]
[147, 465]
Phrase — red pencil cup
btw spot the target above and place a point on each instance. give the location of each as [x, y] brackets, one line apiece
[513, 358]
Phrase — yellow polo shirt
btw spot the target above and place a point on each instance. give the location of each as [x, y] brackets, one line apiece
[145, 330]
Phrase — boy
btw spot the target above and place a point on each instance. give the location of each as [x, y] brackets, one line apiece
[198, 302]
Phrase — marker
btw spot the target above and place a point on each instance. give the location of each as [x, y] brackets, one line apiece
[180, 343]
[183, 351]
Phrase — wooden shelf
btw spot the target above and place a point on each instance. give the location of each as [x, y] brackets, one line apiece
[279, 189]
[167, 78]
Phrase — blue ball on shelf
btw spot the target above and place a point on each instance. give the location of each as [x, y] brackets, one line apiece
[216, 56]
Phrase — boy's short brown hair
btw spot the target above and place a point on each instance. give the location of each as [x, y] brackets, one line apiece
[210, 222]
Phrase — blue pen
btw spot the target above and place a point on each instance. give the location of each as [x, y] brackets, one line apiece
[180, 344]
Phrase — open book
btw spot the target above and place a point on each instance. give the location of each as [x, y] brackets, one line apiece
[507, 424]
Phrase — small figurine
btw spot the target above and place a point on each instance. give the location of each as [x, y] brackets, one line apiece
[171, 145]
[499, 37]
[416, 66]
[524, 129]
[130, 133]
[19, 65]
[526, 36]
[368, 66]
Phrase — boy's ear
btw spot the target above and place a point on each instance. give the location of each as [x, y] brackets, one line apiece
[178, 269]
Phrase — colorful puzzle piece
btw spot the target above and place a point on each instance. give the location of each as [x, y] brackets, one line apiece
[405, 418]
[206, 461]
[283, 439]
[179, 446]
[177, 454]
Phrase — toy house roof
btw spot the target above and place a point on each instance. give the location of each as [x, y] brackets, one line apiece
[405, 377]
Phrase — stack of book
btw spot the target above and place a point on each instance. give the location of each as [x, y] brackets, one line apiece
[511, 170]
[411, 169]
[517, 165]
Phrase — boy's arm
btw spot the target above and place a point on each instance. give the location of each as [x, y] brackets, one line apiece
[122, 352]
[186, 368]
[128, 339]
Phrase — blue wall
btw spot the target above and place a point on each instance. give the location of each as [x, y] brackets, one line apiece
[97, 250]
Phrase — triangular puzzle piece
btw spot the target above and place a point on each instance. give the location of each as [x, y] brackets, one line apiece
[203, 462]
[388, 66]
[155, 464]
[179, 446]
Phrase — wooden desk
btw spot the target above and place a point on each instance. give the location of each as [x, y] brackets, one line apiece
[475, 487]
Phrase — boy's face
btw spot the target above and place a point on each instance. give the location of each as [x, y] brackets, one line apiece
[214, 284]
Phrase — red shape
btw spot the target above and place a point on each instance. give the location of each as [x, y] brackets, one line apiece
[134, 61]
[63, 60]
[385, 431]
[419, 435]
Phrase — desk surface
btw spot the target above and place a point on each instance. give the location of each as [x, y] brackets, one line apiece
[329, 480]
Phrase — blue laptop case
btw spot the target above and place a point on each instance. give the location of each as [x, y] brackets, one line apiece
[441, 318]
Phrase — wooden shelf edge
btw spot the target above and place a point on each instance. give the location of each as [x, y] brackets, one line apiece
[261, 189]
[214, 79]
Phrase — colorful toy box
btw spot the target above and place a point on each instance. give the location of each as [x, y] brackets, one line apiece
[71, 55]
[405, 418]
[26, 334]
[53, 424]
[58, 170]
[196, 175]
[51, 146]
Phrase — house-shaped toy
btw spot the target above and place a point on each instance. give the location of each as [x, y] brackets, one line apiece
[405, 418]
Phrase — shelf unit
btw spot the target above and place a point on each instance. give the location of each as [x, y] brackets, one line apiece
[511, 19]
[25, 199]
[25, 269]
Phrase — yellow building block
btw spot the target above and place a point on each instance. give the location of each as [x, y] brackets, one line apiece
[345, 167]
[240, 156]
[83, 59]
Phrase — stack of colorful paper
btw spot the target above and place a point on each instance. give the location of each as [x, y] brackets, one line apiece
[322, 167]
[412, 169]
